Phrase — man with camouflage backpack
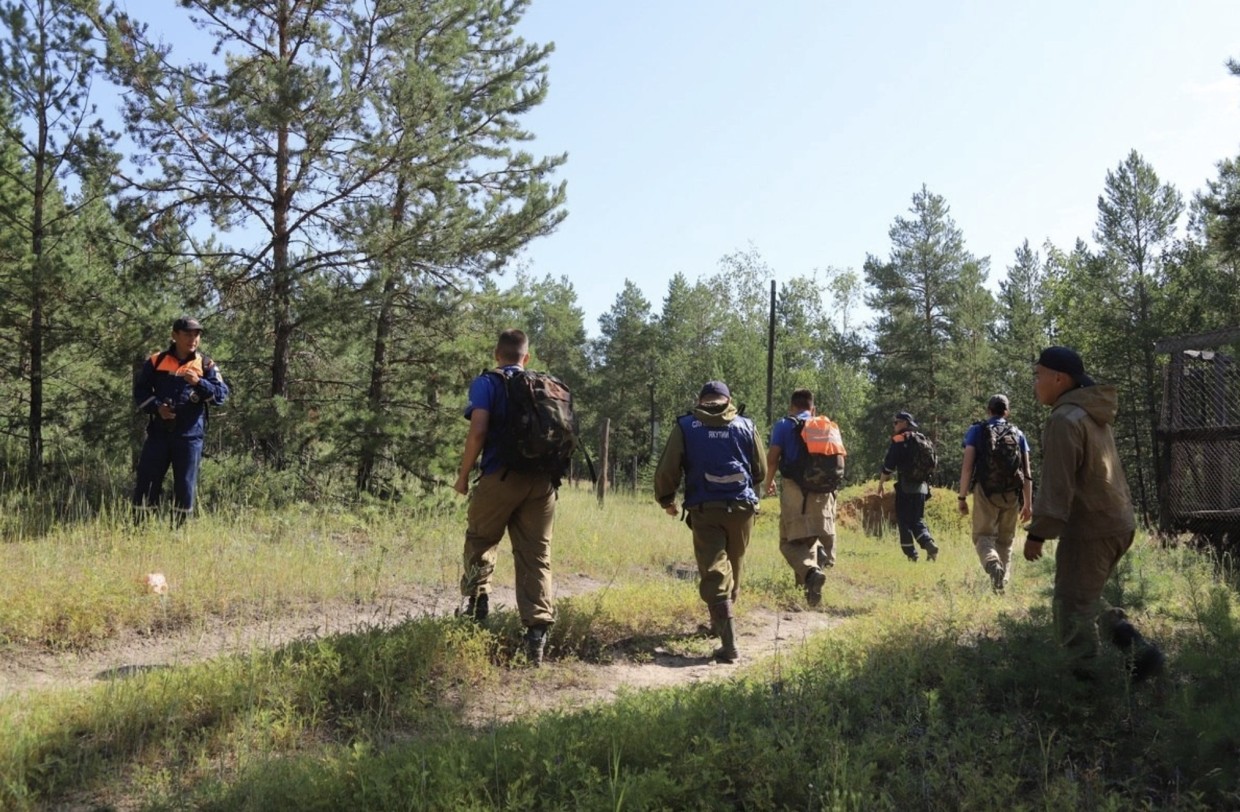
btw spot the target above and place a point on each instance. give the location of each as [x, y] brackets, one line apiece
[996, 471]
[912, 454]
[522, 423]
[807, 450]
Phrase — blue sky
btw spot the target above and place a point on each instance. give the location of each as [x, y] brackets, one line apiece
[695, 129]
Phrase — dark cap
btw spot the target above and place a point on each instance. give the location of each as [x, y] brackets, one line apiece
[714, 389]
[185, 324]
[907, 418]
[1065, 360]
[998, 404]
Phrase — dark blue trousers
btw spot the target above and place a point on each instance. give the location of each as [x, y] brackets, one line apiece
[161, 451]
[911, 521]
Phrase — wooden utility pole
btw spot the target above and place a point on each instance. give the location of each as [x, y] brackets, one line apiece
[602, 468]
[770, 358]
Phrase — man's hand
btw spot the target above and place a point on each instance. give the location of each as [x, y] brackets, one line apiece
[191, 377]
[770, 488]
[1033, 549]
[461, 485]
[880, 488]
[166, 412]
[963, 506]
[671, 510]
[1026, 512]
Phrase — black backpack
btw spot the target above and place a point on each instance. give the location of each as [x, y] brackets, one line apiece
[814, 472]
[921, 462]
[1000, 466]
[540, 431]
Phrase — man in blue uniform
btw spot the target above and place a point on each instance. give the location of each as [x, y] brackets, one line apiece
[174, 388]
[722, 459]
[912, 489]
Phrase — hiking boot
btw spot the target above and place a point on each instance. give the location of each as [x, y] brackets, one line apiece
[997, 576]
[814, 580]
[932, 549]
[824, 560]
[476, 608]
[535, 644]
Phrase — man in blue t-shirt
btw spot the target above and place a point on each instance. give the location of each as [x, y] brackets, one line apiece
[521, 502]
[999, 497]
[806, 519]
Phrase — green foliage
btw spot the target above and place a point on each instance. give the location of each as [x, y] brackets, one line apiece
[932, 694]
[933, 316]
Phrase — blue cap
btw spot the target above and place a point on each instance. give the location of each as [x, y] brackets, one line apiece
[907, 418]
[714, 389]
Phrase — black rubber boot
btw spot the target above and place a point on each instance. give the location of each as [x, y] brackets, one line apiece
[476, 608]
[1145, 659]
[721, 618]
[536, 644]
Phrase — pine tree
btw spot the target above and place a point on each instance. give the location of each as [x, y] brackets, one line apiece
[47, 64]
[931, 305]
[1137, 217]
[624, 376]
[1021, 334]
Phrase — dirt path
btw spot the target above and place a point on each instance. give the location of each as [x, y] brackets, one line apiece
[760, 635]
[764, 639]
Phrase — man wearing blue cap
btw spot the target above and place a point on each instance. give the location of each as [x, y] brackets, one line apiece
[1083, 500]
[906, 453]
[722, 459]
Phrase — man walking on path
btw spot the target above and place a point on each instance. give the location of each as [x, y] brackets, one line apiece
[806, 513]
[997, 472]
[910, 453]
[1083, 500]
[519, 501]
[721, 459]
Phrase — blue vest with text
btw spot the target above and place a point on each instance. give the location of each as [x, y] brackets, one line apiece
[717, 463]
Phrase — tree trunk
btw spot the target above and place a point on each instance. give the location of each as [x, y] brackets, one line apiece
[34, 461]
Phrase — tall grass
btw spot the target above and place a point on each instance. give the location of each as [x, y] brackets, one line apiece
[935, 694]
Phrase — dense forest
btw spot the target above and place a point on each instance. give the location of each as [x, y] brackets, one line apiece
[341, 193]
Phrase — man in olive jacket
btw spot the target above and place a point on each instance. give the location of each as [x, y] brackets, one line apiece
[1083, 500]
[722, 459]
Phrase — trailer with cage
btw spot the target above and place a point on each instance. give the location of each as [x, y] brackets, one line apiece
[1198, 438]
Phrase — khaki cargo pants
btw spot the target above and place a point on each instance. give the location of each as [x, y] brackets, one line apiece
[720, 537]
[994, 527]
[806, 523]
[1082, 567]
[524, 505]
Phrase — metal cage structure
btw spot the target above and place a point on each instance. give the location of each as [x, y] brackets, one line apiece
[1199, 437]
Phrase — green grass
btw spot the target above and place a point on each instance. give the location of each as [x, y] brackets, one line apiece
[933, 694]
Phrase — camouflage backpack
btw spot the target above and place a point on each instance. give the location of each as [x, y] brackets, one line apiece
[540, 433]
[1000, 463]
[921, 462]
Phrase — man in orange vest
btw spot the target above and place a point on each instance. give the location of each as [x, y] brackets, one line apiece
[806, 505]
[174, 388]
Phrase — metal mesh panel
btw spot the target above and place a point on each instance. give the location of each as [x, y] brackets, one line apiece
[1199, 436]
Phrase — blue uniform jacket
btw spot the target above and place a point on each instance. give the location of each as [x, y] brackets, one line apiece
[158, 383]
